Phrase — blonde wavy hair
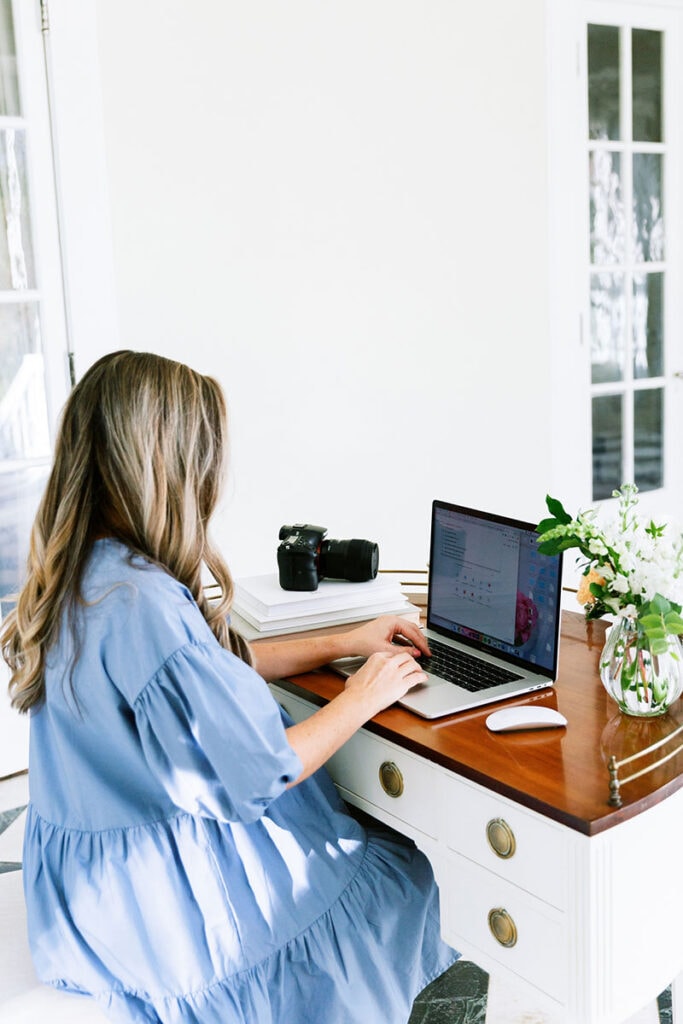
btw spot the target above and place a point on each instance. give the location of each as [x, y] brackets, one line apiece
[140, 456]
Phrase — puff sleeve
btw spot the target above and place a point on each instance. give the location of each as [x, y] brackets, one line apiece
[213, 734]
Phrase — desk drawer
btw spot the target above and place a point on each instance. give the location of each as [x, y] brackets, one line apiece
[381, 774]
[389, 779]
[531, 849]
[477, 903]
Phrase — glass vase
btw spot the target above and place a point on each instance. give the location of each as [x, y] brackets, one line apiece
[642, 683]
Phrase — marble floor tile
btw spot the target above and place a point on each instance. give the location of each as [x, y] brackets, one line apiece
[11, 838]
[665, 1007]
[461, 997]
[13, 798]
[457, 997]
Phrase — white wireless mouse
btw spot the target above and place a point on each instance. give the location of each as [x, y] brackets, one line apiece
[524, 716]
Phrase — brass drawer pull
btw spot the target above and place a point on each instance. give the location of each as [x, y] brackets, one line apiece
[503, 928]
[501, 838]
[391, 778]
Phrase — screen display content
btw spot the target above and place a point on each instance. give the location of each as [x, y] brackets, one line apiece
[491, 585]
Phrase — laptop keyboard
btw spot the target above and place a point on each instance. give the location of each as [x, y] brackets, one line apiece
[464, 669]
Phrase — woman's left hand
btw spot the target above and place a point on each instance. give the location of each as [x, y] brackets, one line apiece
[386, 634]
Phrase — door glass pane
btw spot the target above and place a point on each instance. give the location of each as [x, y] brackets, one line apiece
[9, 84]
[21, 487]
[603, 82]
[648, 222]
[607, 449]
[646, 91]
[23, 414]
[607, 234]
[24, 436]
[648, 438]
[648, 325]
[17, 269]
[608, 327]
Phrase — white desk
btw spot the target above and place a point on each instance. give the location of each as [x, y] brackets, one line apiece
[582, 909]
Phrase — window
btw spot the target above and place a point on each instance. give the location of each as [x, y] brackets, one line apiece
[30, 319]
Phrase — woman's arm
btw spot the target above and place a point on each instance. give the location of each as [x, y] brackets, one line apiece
[383, 679]
[275, 659]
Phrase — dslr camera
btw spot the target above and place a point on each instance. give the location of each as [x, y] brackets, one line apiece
[304, 558]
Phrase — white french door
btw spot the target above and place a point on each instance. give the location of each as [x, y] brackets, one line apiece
[617, 173]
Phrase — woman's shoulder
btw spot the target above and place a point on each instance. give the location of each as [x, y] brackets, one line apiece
[113, 569]
[138, 604]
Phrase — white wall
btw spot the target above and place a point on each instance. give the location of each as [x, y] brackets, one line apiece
[339, 209]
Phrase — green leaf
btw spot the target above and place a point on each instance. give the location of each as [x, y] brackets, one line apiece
[547, 524]
[556, 509]
[548, 547]
[596, 610]
[649, 621]
[673, 623]
[660, 604]
[655, 531]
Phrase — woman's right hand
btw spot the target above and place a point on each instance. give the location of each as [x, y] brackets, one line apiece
[385, 678]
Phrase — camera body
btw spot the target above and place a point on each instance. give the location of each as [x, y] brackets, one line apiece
[304, 557]
[297, 556]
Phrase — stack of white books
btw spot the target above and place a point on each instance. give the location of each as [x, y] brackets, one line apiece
[262, 608]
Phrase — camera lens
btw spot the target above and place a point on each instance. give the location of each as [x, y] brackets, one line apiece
[354, 560]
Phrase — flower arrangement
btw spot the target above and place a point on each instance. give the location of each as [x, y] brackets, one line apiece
[633, 568]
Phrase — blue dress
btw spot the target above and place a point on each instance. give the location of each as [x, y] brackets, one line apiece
[168, 870]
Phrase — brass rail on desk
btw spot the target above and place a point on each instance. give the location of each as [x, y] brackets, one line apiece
[615, 783]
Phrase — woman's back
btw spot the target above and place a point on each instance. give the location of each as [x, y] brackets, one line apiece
[165, 859]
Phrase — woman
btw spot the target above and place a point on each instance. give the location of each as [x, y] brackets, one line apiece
[185, 860]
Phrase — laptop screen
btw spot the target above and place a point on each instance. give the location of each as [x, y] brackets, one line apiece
[490, 587]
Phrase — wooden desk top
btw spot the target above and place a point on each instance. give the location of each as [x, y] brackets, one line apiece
[561, 773]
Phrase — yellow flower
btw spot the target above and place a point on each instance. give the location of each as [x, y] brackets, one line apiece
[583, 594]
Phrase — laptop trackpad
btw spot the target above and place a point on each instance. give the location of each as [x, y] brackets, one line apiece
[436, 698]
[347, 666]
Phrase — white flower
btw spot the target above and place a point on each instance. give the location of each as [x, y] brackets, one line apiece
[629, 611]
[620, 584]
[636, 559]
[628, 561]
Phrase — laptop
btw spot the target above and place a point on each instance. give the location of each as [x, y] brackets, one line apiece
[493, 612]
